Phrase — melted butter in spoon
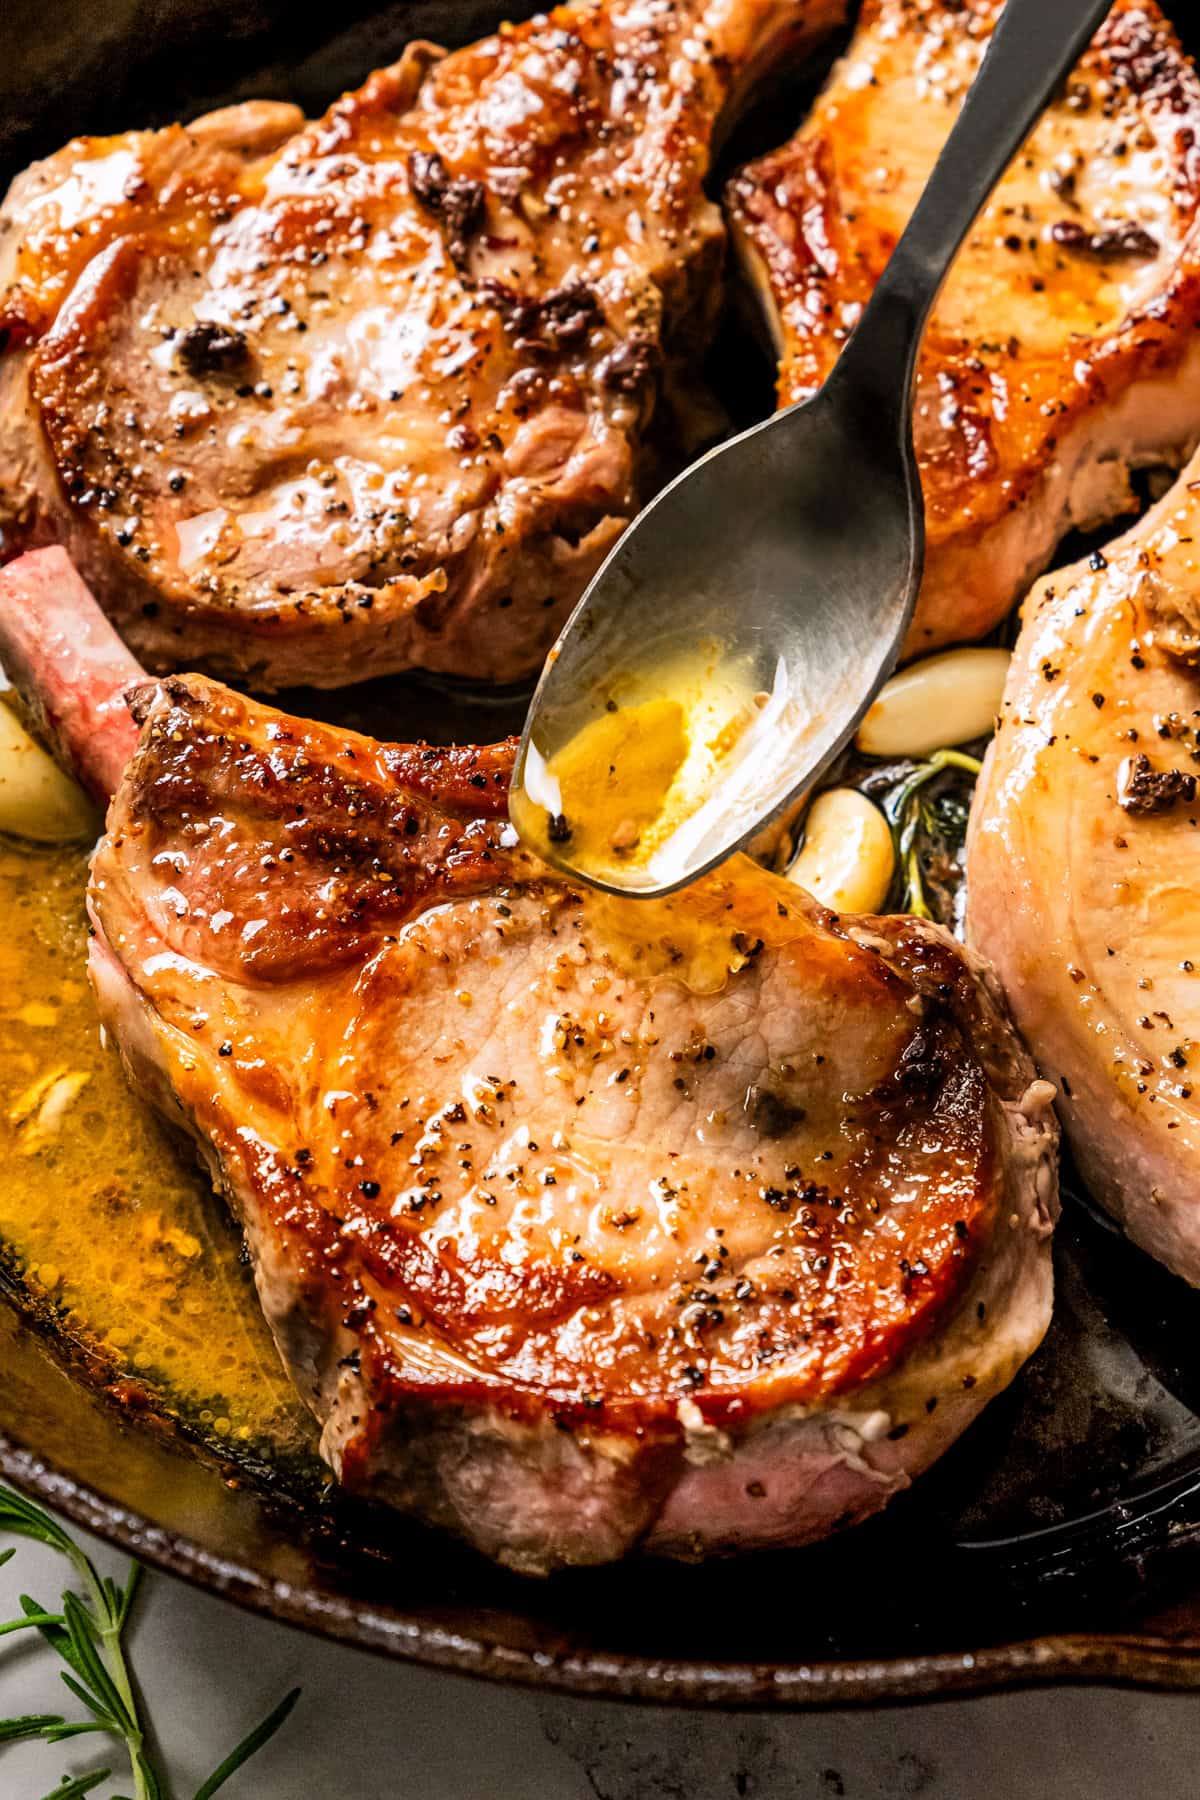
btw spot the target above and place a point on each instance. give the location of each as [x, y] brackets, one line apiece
[622, 792]
[608, 787]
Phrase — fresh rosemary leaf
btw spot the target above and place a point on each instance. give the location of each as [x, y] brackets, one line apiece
[249, 1744]
[104, 1718]
[26, 1519]
[56, 1635]
[82, 1784]
[7, 1556]
[28, 1623]
[151, 1786]
[52, 1728]
[85, 1637]
[58, 1734]
[132, 1582]
[21, 1526]
[32, 1725]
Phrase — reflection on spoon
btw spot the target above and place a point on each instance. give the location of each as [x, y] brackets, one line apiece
[630, 791]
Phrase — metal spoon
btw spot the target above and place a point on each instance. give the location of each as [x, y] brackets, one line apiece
[796, 547]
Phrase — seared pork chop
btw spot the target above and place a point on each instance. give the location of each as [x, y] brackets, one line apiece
[1063, 351]
[580, 1224]
[1084, 865]
[313, 401]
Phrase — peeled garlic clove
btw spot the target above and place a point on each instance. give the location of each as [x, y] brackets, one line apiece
[943, 700]
[847, 859]
[38, 800]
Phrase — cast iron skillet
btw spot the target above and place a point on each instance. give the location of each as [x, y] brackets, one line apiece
[1057, 1540]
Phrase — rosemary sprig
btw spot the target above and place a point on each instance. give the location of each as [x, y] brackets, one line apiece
[902, 809]
[86, 1634]
[82, 1784]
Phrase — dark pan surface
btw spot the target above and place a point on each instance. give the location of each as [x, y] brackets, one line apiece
[1058, 1540]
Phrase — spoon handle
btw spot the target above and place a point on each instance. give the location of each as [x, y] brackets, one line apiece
[1034, 45]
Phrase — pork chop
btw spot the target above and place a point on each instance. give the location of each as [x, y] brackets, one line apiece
[309, 402]
[1063, 351]
[580, 1224]
[1084, 865]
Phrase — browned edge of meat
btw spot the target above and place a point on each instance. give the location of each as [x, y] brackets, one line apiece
[1064, 350]
[310, 401]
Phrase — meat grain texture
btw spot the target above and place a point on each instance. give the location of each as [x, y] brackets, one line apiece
[311, 401]
[1063, 351]
[1083, 872]
[581, 1225]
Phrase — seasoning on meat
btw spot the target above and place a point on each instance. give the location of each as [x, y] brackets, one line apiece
[1143, 789]
[459, 204]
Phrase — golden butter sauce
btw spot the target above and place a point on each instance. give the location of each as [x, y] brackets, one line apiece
[706, 932]
[105, 1220]
[614, 796]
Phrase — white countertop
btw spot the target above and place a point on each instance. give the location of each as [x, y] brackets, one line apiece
[366, 1729]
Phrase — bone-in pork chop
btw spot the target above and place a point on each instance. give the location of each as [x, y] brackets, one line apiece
[1084, 865]
[308, 402]
[1064, 350]
[701, 1224]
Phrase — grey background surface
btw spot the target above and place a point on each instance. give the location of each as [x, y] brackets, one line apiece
[370, 1730]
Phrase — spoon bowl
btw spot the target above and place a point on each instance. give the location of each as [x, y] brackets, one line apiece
[807, 615]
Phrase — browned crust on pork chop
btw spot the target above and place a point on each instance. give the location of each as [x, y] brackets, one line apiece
[312, 401]
[560, 1205]
[1062, 351]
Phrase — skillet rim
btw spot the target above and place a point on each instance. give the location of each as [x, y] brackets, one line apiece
[1132, 1659]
